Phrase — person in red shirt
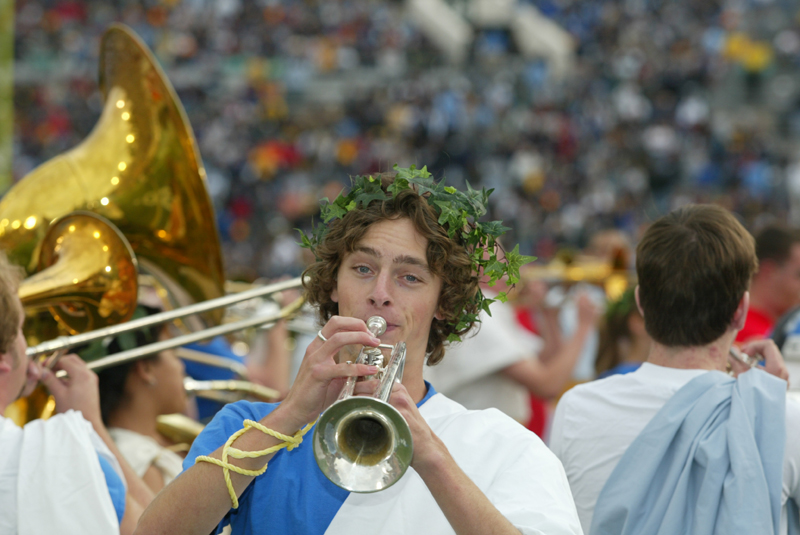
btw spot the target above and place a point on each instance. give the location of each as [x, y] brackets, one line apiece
[775, 288]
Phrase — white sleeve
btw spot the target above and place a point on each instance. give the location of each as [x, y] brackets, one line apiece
[555, 439]
[533, 493]
[498, 343]
[791, 462]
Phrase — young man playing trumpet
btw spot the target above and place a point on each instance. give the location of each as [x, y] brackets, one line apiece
[63, 475]
[679, 446]
[384, 252]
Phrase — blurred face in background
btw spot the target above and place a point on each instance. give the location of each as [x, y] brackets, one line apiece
[785, 283]
[166, 375]
[24, 373]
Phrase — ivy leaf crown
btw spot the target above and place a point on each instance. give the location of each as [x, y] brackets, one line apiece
[459, 213]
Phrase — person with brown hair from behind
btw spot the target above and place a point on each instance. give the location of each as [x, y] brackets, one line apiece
[680, 446]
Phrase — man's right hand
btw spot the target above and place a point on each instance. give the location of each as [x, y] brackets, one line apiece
[773, 360]
[77, 391]
[321, 377]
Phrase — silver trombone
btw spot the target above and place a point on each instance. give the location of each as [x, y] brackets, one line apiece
[361, 443]
[63, 343]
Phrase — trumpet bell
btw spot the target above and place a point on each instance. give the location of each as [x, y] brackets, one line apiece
[363, 444]
[87, 274]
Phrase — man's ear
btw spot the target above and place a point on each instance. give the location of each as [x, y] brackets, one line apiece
[438, 315]
[767, 266]
[740, 316]
[6, 362]
[335, 294]
[638, 305]
[143, 369]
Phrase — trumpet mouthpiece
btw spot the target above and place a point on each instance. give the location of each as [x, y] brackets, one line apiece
[376, 325]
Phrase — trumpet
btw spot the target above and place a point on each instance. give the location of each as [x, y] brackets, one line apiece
[744, 358]
[361, 443]
[613, 279]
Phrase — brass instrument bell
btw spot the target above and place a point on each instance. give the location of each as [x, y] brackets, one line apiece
[87, 274]
[361, 443]
[140, 169]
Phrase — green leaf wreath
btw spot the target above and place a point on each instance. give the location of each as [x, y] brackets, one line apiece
[459, 212]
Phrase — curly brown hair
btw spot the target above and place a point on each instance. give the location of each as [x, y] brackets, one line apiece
[448, 258]
[10, 275]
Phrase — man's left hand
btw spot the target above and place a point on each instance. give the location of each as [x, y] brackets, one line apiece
[428, 448]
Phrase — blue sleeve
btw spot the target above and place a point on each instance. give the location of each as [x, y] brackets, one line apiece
[227, 421]
[116, 488]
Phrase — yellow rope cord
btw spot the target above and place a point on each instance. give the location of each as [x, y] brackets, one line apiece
[289, 442]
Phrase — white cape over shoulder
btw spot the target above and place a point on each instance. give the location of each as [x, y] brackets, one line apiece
[51, 480]
[515, 470]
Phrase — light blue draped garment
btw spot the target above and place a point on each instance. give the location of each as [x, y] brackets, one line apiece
[710, 462]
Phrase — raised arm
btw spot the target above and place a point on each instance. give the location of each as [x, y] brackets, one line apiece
[80, 393]
[198, 499]
[547, 378]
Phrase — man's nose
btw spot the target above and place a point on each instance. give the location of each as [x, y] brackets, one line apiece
[381, 290]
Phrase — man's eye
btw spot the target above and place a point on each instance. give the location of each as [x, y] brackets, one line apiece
[411, 278]
[362, 269]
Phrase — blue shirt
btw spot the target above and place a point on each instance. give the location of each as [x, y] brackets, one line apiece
[293, 496]
[116, 488]
[620, 369]
[220, 347]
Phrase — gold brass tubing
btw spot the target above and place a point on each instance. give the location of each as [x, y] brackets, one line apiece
[179, 428]
[261, 392]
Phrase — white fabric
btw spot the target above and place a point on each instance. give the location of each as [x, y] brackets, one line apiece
[515, 470]
[595, 423]
[142, 452]
[51, 480]
[568, 319]
[470, 372]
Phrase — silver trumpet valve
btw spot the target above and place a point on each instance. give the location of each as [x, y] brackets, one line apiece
[361, 443]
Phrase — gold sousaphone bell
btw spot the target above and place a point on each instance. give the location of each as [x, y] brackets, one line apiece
[361, 443]
[139, 169]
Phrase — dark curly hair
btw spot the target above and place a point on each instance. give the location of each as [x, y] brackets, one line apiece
[449, 259]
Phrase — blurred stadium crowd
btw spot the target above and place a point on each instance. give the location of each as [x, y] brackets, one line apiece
[665, 101]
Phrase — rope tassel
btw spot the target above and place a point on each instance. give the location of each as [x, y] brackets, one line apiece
[289, 442]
